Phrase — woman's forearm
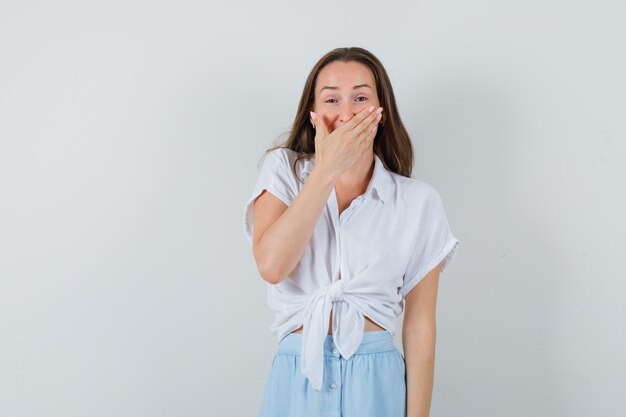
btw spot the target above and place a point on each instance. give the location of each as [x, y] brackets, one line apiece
[419, 355]
[283, 244]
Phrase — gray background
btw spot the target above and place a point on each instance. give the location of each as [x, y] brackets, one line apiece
[129, 139]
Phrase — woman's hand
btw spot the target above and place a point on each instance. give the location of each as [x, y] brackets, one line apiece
[339, 150]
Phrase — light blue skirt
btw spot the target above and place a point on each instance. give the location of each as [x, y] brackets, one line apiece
[370, 383]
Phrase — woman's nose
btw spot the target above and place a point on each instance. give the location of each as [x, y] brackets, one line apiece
[346, 113]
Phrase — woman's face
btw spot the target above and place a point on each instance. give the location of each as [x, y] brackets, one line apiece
[342, 89]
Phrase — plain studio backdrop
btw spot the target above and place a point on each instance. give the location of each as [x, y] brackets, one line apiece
[130, 134]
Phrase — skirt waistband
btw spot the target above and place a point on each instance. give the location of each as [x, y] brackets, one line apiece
[374, 341]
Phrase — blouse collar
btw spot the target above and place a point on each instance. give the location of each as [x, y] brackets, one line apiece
[381, 180]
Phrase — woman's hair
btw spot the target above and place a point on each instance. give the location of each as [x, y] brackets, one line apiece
[392, 143]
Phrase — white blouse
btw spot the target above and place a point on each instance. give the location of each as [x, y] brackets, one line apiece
[360, 263]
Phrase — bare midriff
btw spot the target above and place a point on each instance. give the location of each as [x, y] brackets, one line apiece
[368, 326]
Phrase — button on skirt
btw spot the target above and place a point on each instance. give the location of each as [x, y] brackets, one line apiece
[370, 383]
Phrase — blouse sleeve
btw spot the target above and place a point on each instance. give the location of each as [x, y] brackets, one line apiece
[276, 177]
[434, 243]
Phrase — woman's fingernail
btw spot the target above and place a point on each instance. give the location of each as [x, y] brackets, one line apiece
[380, 110]
[371, 109]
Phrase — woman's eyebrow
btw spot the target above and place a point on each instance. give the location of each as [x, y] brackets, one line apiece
[332, 87]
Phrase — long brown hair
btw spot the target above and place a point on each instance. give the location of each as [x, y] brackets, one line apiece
[392, 143]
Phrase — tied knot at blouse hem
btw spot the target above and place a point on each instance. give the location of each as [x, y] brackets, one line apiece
[362, 262]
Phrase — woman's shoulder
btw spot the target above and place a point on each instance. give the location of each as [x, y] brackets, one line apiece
[282, 153]
[288, 161]
[417, 191]
[413, 185]
[277, 158]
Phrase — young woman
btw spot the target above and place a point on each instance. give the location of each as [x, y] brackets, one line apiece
[343, 235]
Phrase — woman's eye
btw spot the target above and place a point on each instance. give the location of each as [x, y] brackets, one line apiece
[363, 97]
